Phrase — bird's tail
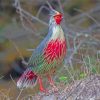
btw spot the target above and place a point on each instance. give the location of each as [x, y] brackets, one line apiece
[28, 79]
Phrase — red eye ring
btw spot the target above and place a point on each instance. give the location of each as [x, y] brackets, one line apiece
[58, 18]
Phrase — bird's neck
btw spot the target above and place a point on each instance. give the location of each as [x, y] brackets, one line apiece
[56, 31]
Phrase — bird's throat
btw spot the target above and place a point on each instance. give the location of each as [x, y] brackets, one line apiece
[57, 32]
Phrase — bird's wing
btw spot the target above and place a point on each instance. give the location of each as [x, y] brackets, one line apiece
[37, 56]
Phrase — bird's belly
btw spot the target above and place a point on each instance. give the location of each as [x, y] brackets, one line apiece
[48, 68]
[55, 50]
[54, 54]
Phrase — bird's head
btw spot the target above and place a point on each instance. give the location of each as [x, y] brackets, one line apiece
[56, 17]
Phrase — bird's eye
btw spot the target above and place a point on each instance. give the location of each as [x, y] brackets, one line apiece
[58, 16]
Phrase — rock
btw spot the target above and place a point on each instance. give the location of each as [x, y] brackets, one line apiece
[86, 89]
[50, 97]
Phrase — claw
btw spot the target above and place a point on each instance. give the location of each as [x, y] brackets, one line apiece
[50, 80]
[54, 88]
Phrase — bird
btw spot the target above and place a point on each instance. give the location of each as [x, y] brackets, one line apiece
[47, 56]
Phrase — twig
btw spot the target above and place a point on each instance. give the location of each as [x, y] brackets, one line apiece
[19, 94]
[25, 13]
[1, 77]
[74, 89]
[12, 80]
[17, 49]
[88, 16]
[38, 13]
[49, 5]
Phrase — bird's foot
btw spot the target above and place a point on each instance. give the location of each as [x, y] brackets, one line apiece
[43, 90]
[54, 88]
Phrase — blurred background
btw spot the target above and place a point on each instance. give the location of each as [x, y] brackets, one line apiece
[24, 23]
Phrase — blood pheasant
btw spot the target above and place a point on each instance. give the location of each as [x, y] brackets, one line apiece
[47, 56]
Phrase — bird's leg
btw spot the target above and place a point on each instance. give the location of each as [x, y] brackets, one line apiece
[52, 83]
[41, 85]
[50, 80]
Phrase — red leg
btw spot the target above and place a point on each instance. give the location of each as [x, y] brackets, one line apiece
[41, 84]
[52, 83]
[50, 80]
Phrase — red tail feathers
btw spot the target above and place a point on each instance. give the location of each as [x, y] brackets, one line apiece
[28, 79]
